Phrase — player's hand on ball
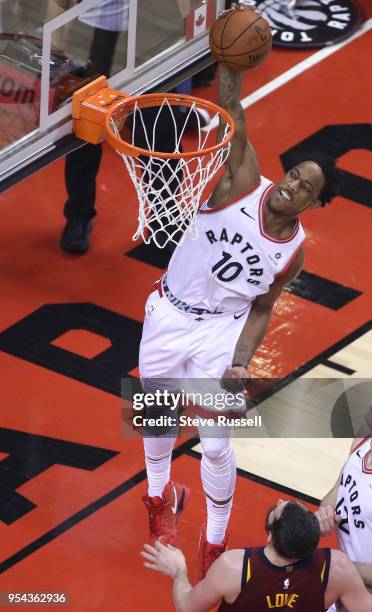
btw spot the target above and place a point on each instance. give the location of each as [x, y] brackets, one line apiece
[241, 7]
[240, 38]
[327, 519]
[235, 379]
[164, 559]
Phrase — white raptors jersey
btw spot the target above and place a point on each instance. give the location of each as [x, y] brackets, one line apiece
[354, 505]
[233, 260]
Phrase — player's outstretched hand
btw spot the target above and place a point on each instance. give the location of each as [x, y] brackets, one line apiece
[235, 379]
[242, 7]
[327, 519]
[164, 559]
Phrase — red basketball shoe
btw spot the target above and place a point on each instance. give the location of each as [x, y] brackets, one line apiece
[208, 553]
[164, 512]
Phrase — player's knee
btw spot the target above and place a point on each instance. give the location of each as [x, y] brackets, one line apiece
[216, 453]
[161, 388]
[213, 455]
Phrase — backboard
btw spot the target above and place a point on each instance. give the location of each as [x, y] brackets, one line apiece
[51, 48]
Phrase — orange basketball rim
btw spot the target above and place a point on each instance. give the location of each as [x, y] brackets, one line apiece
[166, 214]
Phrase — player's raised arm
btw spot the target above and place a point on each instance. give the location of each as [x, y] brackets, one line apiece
[241, 170]
[229, 93]
[240, 39]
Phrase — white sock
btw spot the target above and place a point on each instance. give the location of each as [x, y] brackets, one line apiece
[218, 474]
[218, 518]
[158, 456]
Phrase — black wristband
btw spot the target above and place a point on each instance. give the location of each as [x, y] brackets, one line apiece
[237, 365]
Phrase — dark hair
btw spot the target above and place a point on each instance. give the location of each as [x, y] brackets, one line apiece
[331, 173]
[295, 534]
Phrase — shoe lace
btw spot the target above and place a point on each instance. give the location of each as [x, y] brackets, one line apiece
[158, 518]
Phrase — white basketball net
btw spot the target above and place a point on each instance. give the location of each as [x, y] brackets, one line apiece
[169, 190]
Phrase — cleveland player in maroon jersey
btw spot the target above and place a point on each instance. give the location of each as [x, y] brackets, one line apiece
[289, 572]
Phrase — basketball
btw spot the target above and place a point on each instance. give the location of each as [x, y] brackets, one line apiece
[240, 39]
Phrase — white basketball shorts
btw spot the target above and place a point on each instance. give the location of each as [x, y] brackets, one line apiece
[178, 345]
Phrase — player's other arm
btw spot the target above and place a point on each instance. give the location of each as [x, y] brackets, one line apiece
[365, 572]
[207, 593]
[326, 514]
[346, 585]
[241, 170]
[256, 326]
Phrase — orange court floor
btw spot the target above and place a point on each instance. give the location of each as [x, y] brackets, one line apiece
[71, 515]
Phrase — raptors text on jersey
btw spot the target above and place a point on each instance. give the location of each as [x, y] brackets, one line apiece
[233, 260]
[354, 505]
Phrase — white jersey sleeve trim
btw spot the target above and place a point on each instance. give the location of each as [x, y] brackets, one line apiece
[208, 211]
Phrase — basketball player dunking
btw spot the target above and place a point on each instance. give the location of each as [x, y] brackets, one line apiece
[214, 305]
[289, 572]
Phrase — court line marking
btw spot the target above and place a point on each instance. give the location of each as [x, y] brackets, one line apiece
[265, 482]
[338, 367]
[184, 449]
[86, 511]
[319, 359]
[293, 72]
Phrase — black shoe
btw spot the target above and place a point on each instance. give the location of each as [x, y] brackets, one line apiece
[199, 118]
[75, 236]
